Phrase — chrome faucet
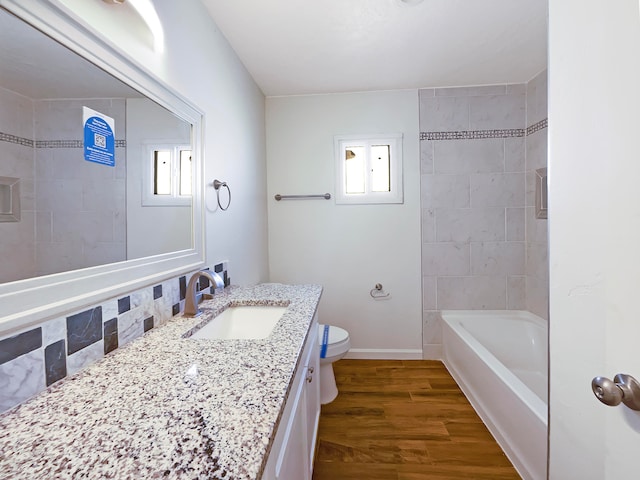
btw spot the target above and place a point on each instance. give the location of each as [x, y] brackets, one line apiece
[190, 306]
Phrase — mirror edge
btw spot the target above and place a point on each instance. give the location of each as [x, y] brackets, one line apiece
[25, 303]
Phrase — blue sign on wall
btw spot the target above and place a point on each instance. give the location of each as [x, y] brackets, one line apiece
[99, 138]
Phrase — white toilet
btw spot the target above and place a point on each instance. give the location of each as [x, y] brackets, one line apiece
[338, 345]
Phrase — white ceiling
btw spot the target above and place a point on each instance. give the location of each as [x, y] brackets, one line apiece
[303, 47]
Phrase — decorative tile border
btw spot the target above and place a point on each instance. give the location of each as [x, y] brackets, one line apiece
[31, 361]
[481, 134]
[473, 134]
[537, 126]
[70, 143]
[6, 137]
[59, 143]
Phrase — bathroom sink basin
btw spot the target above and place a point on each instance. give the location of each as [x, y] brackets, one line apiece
[242, 322]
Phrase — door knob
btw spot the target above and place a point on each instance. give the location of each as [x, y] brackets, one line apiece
[623, 389]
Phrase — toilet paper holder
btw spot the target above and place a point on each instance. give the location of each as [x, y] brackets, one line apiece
[378, 291]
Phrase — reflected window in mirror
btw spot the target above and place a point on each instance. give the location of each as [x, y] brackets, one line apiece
[186, 175]
[161, 172]
[168, 175]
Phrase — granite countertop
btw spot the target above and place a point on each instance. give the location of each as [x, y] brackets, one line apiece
[165, 406]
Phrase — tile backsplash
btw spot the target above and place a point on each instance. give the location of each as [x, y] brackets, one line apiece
[32, 360]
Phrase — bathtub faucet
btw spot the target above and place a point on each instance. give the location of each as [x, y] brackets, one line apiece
[190, 306]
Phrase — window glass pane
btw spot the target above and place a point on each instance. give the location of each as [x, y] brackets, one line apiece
[380, 168]
[162, 172]
[185, 172]
[354, 168]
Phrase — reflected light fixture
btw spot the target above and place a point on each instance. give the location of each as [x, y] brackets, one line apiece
[148, 13]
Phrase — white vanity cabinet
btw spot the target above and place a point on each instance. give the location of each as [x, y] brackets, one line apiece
[293, 450]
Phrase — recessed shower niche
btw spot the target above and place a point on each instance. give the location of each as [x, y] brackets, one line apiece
[9, 199]
[541, 193]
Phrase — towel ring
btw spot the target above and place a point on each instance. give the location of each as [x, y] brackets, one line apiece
[217, 184]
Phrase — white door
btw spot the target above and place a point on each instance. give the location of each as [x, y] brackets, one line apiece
[594, 201]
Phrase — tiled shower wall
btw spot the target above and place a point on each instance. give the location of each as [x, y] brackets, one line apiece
[73, 212]
[476, 202]
[33, 359]
[537, 268]
[80, 205]
[17, 239]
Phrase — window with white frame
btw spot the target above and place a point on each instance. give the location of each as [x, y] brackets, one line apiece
[167, 175]
[368, 169]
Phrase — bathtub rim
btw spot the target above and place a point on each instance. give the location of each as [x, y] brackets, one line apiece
[526, 445]
[537, 405]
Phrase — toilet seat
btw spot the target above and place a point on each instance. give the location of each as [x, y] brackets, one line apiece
[338, 342]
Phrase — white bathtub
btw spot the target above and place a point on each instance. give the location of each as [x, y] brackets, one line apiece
[499, 359]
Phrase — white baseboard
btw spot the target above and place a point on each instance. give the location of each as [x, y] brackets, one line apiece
[384, 354]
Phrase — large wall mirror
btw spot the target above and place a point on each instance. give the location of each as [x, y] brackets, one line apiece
[68, 217]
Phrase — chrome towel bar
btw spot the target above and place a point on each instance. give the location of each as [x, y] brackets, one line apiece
[279, 197]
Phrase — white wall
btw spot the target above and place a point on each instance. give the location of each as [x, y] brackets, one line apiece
[199, 64]
[347, 248]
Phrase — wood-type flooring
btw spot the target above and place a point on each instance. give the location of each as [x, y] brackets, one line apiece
[404, 420]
